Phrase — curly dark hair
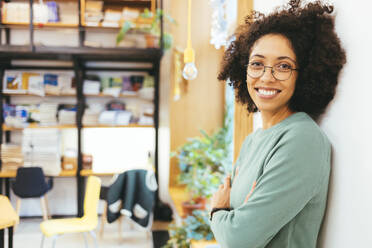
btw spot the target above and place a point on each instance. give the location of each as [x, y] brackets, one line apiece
[320, 57]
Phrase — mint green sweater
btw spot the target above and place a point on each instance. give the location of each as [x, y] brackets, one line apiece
[290, 163]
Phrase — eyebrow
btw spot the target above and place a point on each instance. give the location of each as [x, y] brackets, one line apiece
[281, 57]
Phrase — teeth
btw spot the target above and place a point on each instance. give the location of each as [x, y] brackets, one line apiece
[267, 92]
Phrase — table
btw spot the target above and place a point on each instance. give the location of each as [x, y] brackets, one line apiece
[6, 175]
[8, 218]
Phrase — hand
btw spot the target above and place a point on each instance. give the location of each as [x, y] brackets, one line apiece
[221, 199]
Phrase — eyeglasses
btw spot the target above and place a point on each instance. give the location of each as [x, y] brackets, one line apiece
[281, 71]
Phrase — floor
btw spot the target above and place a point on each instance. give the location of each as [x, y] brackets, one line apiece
[28, 235]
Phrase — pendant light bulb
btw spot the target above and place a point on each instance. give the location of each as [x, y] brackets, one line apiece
[189, 71]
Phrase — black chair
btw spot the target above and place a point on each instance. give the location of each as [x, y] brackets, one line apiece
[111, 194]
[132, 195]
[30, 182]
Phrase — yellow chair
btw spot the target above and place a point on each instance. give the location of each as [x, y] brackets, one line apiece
[87, 223]
[8, 219]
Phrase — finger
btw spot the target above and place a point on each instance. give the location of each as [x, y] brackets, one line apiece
[221, 186]
[236, 171]
[227, 182]
[250, 193]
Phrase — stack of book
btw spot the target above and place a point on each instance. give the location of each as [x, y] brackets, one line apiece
[67, 117]
[90, 117]
[16, 12]
[93, 13]
[38, 83]
[42, 148]
[111, 18]
[48, 114]
[91, 87]
[11, 157]
[91, 114]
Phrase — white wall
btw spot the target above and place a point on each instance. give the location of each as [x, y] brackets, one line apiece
[348, 221]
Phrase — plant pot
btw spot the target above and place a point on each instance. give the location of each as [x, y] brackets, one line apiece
[196, 204]
[151, 41]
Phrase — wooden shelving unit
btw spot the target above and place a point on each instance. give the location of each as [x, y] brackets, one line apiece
[78, 56]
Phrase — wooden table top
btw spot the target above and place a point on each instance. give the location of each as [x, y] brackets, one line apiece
[8, 216]
[13, 173]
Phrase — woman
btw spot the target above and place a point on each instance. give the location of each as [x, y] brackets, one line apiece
[286, 66]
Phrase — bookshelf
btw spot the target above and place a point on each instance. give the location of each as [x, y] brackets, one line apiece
[78, 58]
[83, 16]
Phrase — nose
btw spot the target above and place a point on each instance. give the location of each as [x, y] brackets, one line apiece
[268, 75]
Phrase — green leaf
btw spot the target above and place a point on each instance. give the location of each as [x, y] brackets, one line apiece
[127, 25]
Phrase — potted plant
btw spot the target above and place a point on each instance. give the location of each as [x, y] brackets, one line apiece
[150, 27]
[204, 161]
[193, 227]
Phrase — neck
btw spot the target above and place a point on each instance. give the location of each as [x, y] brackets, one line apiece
[270, 119]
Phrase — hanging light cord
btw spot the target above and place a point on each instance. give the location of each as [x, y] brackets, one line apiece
[189, 25]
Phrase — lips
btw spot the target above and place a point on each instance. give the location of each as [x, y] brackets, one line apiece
[267, 92]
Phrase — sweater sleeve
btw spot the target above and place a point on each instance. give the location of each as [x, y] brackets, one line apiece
[291, 177]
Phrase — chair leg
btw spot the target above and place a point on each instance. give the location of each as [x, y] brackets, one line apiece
[103, 219]
[2, 234]
[148, 234]
[131, 224]
[44, 208]
[93, 234]
[47, 207]
[10, 237]
[18, 205]
[42, 241]
[18, 209]
[120, 223]
[85, 239]
[54, 241]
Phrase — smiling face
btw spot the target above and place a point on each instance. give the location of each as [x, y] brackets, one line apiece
[270, 95]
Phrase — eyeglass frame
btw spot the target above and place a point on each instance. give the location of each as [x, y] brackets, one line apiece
[272, 72]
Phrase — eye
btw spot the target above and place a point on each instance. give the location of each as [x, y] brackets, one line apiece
[255, 65]
[283, 67]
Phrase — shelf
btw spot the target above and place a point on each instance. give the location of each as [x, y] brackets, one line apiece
[101, 95]
[27, 94]
[86, 173]
[202, 243]
[121, 95]
[118, 126]
[139, 21]
[82, 53]
[35, 125]
[12, 174]
[41, 25]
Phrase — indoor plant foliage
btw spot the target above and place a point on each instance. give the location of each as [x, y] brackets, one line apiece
[193, 227]
[151, 30]
[204, 161]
